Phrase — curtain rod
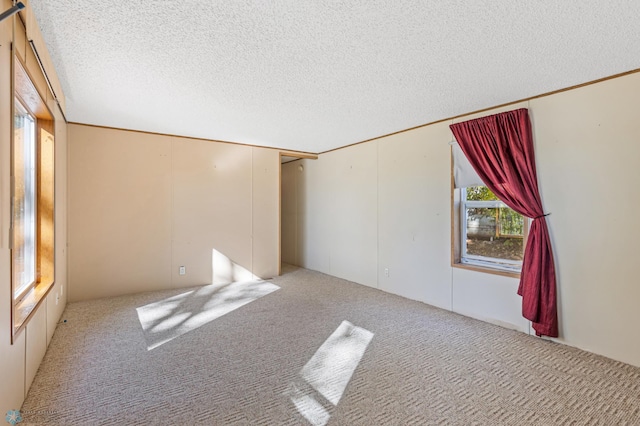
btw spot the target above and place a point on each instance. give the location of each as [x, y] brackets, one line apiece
[12, 11]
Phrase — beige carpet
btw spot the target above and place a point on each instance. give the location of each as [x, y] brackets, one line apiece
[318, 350]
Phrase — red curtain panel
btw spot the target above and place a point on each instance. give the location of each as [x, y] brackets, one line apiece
[500, 149]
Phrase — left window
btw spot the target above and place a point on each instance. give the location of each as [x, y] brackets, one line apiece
[24, 202]
[32, 199]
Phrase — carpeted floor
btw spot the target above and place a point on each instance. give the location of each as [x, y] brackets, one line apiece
[318, 350]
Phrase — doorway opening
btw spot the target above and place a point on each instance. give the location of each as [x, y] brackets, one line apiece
[292, 190]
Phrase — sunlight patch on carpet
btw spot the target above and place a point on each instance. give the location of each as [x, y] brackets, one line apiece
[309, 407]
[327, 374]
[167, 319]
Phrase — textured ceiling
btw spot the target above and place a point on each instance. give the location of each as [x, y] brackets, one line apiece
[312, 75]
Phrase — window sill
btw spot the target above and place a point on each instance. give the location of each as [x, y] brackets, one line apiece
[24, 310]
[485, 270]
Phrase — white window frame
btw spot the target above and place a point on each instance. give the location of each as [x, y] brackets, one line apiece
[506, 265]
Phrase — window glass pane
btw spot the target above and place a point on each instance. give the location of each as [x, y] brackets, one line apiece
[24, 201]
[495, 232]
[480, 193]
[510, 223]
[492, 234]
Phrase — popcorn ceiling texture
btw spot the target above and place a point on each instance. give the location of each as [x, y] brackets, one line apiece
[313, 75]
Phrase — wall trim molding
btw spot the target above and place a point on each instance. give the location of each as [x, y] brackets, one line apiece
[301, 154]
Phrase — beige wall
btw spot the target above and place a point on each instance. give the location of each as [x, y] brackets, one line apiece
[142, 205]
[386, 204]
[265, 198]
[20, 360]
[336, 214]
[119, 212]
[588, 155]
[413, 206]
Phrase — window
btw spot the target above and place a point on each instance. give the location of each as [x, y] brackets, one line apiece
[24, 202]
[491, 234]
[32, 200]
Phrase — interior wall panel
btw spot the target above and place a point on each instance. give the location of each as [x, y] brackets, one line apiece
[36, 345]
[37, 78]
[488, 297]
[141, 206]
[12, 368]
[413, 215]
[20, 41]
[312, 197]
[211, 208]
[265, 207]
[119, 212]
[61, 185]
[338, 205]
[588, 155]
[54, 302]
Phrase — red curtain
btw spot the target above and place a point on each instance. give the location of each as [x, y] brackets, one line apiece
[500, 149]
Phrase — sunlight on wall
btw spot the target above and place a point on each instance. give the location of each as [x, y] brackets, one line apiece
[167, 319]
[328, 373]
[226, 270]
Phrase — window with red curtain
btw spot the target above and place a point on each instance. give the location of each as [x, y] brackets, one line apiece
[499, 147]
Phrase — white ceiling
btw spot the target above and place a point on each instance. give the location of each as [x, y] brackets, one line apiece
[313, 75]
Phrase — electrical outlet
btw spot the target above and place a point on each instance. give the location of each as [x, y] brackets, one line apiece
[182, 270]
[386, 272]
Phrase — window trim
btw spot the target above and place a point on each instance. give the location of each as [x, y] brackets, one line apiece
[30, 299]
